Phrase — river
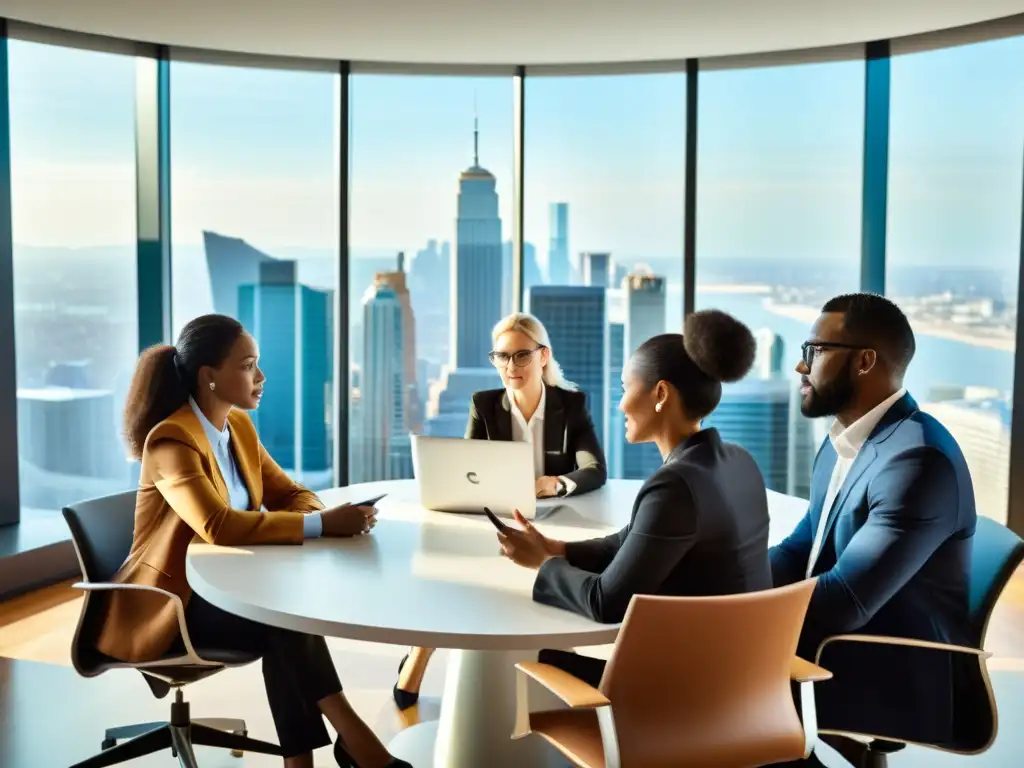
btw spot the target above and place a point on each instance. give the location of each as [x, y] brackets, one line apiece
[936, 362]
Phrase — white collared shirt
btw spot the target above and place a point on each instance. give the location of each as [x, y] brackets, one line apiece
[847, 442]
[532, 432]
[238, 491]
[220, 442]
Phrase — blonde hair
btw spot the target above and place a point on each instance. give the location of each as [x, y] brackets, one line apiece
[532, 328]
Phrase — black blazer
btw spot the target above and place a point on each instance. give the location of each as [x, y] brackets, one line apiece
[895, 560]
[571, 447]
[699, 527]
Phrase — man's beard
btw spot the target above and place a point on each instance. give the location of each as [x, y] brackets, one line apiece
[831, 398]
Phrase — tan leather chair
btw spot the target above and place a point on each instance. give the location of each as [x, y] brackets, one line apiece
[692, 681]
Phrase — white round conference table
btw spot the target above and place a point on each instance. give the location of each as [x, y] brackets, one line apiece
[435, 580]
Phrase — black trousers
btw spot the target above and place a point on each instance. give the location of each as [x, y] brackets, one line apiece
[586, 668]
[297, 670]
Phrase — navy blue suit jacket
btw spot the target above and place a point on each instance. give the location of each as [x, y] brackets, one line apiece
[894, 560]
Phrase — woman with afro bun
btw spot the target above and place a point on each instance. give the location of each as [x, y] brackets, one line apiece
[699, 525]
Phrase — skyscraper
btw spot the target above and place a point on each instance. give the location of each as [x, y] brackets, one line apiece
[804, 439]
[770, 354]
[448, 402]
[755, 413]
[477, 273]
[575, 318]
[644, 297]
[644, 307]
[293, 324]
[396, 281]
[979, 419]
[559, 269]
[43, 416]
[477, 291]
[231, 262]
[383, 453]
[430, 286]
[762, 413]
[596, 269]
[616, 421]
[531, 272]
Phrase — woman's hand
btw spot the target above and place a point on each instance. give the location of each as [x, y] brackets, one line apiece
[546, 487]
[528, 547]
[347, 520]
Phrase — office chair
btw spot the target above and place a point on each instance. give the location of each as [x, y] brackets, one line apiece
[101, 531]
[703, 682]
[995, 554]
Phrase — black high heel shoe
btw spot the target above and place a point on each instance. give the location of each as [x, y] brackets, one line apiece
[344, 759]
[404, 699]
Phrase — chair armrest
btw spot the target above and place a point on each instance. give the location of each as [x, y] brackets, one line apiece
[902, 642]
[806, 675]
[905, 642]
[190, 657]
[801, 671]
[571, 690]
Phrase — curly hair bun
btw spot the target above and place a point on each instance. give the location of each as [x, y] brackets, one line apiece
[719, 344]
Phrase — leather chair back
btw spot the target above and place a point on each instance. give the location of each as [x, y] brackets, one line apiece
[706, 680]
[996, 553]
[101, 532]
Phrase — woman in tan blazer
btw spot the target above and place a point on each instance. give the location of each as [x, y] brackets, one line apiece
[206, 476]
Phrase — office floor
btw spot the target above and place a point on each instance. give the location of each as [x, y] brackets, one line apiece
[36, 677]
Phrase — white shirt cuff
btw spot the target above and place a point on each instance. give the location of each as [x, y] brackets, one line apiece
[570, 486]
[312, 526]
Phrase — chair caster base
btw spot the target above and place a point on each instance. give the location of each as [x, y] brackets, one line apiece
[180, 740]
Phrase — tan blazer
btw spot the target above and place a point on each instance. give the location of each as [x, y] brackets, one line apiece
[182, 498]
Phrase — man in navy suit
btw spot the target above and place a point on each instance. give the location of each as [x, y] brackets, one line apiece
[887, 531]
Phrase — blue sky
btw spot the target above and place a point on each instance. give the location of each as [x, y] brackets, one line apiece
[254, 155]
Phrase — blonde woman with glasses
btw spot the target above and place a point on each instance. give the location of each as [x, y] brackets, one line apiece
[535, 405]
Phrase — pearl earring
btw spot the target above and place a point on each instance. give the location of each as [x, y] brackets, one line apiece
[658, 407]
[214, 386]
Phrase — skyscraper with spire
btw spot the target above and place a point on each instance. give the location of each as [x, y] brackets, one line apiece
[476, 273]
[476, 299]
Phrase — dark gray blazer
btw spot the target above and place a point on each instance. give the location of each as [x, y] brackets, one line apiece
[699, 527]
[571, 447]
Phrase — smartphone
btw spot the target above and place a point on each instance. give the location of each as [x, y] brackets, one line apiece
[494, 520]
[369, 502]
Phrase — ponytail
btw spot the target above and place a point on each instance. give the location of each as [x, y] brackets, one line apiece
[166, 376]
[157, 390]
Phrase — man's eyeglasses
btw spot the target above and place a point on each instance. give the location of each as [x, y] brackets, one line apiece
[811, 348]
[519, 359]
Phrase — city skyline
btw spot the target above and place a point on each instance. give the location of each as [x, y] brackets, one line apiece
[779, 176]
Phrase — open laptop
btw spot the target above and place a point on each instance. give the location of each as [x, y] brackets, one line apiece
[457, 475]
